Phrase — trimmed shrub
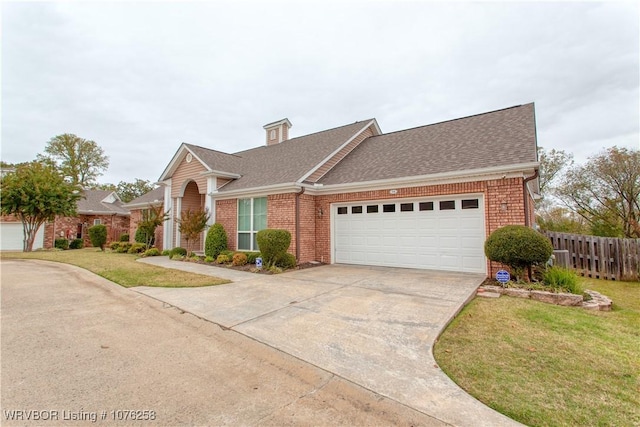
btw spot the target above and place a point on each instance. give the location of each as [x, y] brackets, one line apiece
[123, 247]
[239, 258]
[251, 257]
[216, 241]
[114, 246]
[563, 279]
[177, 257]
[228, 253]
[178, 251]
[61, 243]
[273, 244]
[76, 244]
[152, 252]
[137, 248]
[209, 259]
[124, 237]
[98, 235]
[518, 247]
[287, 261]
[222, 259]
[141, 237]
[166, 252]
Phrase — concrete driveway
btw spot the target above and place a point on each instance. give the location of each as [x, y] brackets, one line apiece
[79, 350]
[373, 326]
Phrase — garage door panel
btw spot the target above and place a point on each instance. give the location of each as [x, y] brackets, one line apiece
[12, 237]
[448, 239]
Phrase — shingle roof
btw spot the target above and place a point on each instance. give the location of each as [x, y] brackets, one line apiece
[498, 138]
[92, 204]
[281, 163]
[155, 195]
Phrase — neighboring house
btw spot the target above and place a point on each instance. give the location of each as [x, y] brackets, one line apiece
[96, 207]
[138, 206]
[425, 197]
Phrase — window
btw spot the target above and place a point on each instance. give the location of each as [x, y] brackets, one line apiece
[389, 208]
[446, 205]
[342, 210]
[372, 209]
[252, 217]
[272, 134]
[426, 206]
[470, 204]
[406, 207]
[356, 209]
[97, 221]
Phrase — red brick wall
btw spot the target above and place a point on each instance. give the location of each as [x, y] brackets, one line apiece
[315, 228]
[64, 226]
[495, 192]
[227, 215]
[281, 213]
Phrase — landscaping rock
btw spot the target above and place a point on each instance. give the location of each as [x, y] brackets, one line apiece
[558, 299]
[603, 302]
[518, 293]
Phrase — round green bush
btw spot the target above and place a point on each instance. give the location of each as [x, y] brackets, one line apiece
[287, 261]
[222, 259]
[137, 248]
[61, 243]
[124, 237]
[152, 252]
[216, 241]
[166, 252]
[98, 235]
[141, 237]
[76, 244]
[114, 246]
[273, 244]
[518, 247]
[178, 251]
[123, 247]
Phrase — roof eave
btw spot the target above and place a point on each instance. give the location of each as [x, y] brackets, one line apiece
[483, 174]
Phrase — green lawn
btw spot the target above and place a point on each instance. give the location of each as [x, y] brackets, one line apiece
[120, 268]
[546, 365]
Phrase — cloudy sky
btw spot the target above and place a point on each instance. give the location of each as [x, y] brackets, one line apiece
[139, 78]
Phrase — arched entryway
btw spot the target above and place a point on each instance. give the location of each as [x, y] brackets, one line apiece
[191, 198]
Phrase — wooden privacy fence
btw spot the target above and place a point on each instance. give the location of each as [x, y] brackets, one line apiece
[607, 258]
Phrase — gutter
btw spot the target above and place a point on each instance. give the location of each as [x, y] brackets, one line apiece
[535, 175]
[298, 194]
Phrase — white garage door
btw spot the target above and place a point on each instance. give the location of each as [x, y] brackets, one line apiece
[12, 236]
[445, 233]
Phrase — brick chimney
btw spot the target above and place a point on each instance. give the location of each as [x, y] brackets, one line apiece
[277, 131]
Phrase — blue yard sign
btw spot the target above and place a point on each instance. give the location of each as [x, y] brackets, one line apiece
[503, 276]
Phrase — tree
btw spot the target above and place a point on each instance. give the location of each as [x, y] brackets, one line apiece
[127, 191]
[191, 224]
[606, 192]
[98, 236]
[36, 193]
[519, 247]
[152, 218]
[81, 161]
[552, 164]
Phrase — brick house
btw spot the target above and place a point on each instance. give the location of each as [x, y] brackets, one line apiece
[138, 206]
[425, 197]
[96, 207]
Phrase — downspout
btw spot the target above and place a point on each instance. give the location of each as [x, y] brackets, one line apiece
[536, 174]
[298, 194]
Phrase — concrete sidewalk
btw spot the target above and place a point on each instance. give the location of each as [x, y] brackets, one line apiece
[373, 326]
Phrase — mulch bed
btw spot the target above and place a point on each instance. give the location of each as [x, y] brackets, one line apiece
[251, 268]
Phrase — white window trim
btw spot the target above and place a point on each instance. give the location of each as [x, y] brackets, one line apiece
[251, 232]
[97, 221]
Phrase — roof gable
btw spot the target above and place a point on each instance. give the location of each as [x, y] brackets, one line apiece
[152, 197]
[100, 202]
[491, 140]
